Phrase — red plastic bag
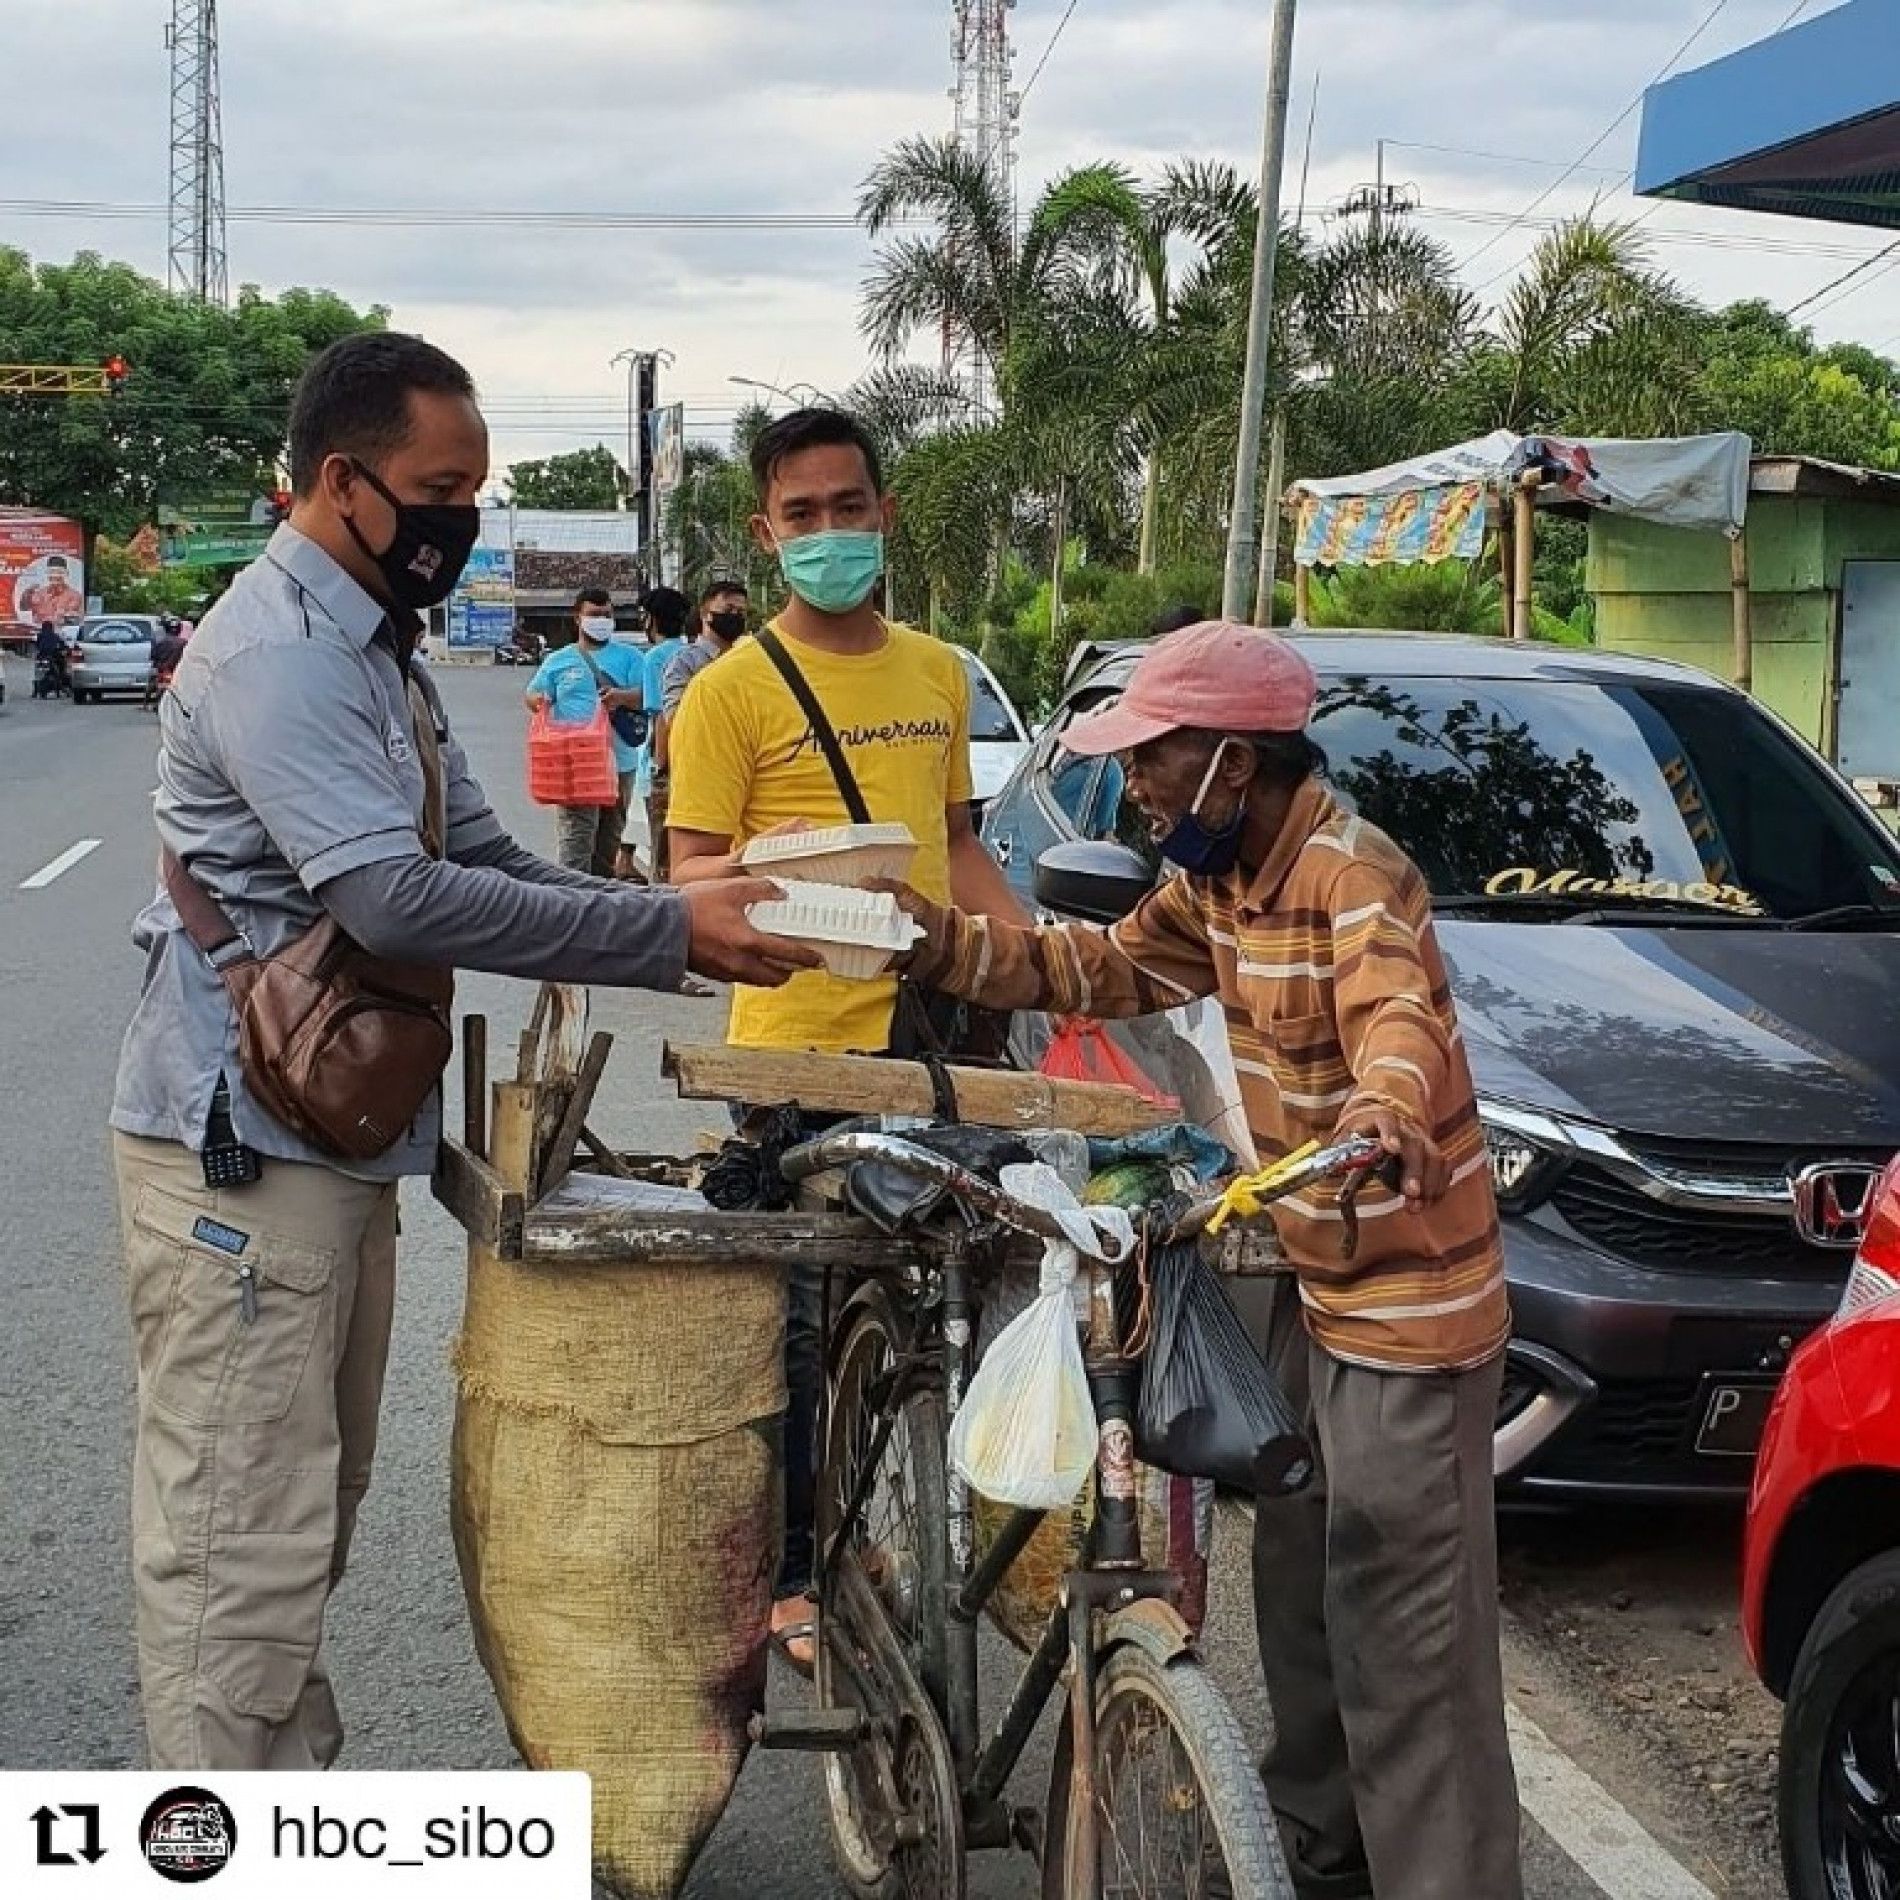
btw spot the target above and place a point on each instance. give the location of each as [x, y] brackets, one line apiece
[571, 765]
[1080, 1051]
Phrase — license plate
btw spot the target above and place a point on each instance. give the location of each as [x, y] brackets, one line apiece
[1733, 1418]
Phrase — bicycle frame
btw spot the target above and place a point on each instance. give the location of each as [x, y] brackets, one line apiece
[1112, 1577]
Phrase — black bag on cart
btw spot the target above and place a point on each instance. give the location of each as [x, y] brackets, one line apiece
[1210, 1407]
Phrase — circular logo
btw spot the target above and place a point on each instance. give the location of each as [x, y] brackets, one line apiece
[188, 1834]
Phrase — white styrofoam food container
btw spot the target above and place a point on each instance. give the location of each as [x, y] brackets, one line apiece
[858, 933]
[837, 854]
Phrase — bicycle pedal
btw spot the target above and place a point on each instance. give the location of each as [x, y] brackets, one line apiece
[810, 1732]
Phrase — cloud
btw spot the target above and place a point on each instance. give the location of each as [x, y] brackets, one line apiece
[743, 106]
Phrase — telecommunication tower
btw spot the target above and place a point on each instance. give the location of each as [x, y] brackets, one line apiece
[196, 235]
[986, 115]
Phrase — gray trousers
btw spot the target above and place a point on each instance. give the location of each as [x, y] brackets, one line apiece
[587, 837]
[1375, 1595]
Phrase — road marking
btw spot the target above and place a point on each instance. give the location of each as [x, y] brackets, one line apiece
[1592, 1827]
[72, 855]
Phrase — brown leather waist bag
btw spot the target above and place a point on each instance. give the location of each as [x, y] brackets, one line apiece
[343, 1048]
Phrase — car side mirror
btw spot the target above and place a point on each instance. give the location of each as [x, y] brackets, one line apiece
[1097, 881]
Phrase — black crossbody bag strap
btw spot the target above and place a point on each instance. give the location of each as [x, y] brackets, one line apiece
[822, 730]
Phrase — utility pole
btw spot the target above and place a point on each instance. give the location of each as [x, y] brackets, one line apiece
[643, 397]
[1242, 528]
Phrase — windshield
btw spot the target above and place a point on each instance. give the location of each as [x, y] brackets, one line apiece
[1545, 792]
[114, 633]
[1565, 795]
[990, 716]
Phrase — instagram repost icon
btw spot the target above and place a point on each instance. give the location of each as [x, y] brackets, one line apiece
[188, 1834]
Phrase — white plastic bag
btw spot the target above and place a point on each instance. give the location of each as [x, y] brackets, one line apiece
[1025, 1433]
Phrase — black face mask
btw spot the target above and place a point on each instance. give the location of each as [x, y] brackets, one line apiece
[728, 626]
[431, 546]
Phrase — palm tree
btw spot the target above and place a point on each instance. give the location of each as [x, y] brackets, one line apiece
[1140, 230]
[1591, 340]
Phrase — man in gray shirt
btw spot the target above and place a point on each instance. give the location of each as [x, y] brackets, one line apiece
[302, 761]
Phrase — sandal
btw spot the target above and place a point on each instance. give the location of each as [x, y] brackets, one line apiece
[796, 1637]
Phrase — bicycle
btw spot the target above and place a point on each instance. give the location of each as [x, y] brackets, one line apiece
[1152, 1789]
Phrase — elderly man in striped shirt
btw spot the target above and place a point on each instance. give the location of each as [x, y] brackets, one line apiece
[1376, 1590]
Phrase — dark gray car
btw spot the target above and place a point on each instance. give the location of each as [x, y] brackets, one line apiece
[1674, 934]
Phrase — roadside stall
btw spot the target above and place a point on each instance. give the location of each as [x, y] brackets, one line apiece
[1451, 504]
[619, 1383]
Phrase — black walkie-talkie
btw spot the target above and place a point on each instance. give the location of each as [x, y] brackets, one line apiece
[228, 1163]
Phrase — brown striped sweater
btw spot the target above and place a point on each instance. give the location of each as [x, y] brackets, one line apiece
[1336, 999]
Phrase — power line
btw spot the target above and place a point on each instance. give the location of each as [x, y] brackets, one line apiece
[390, 215]
[1055, 40]
[1840, 282]
[1596, 145]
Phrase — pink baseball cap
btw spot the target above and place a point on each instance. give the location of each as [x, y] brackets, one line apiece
[1218, 677]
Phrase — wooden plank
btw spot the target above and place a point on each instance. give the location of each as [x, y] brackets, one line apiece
[475, 1083]
[558, 1157]
[866, 1085]
[604, 1157]
[632, 1237]
[491, 1213]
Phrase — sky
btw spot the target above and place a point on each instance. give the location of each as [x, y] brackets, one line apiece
[550, 108]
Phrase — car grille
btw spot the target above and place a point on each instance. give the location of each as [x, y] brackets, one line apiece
[1637, 1431]
[1625, 1221]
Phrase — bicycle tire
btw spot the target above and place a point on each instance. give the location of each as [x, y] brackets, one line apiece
[1232, 1813]
[912, 1592]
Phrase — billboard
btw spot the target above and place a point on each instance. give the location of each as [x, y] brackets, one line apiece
[482, 608]
[220, 527]
[669, 471]
[42, 569]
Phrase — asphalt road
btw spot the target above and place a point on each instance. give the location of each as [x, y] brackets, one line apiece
[412, 1690]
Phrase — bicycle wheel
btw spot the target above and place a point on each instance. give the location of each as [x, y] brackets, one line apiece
[892, 1801]
[1180, 1809]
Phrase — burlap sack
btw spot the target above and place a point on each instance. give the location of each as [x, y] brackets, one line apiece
[616, 1514]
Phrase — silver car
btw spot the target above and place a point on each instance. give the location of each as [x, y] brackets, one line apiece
[112, 653]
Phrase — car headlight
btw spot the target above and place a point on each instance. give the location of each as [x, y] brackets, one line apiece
[1527, 1153]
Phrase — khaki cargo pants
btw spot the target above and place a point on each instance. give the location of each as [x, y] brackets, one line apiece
[261, 1320]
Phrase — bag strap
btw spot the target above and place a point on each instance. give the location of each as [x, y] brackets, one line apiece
[435, 791]
[203, 917]
[822, 730]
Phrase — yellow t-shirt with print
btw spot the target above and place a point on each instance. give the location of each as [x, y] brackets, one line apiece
[744, 759]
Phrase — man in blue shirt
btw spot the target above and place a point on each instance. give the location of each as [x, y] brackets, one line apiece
[573, 682]
[666, 612]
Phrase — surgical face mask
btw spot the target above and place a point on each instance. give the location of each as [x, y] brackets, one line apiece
[429, 550]
[727, 626]
[598, 628]
[1201, 849]
[833, 570]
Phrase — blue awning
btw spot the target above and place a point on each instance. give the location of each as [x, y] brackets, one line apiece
[1806, 123]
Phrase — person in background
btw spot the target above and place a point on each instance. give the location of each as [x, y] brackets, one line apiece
[722, 623]
[52, 664]
[667, 612]
[572, 683]
[167, 650]
[1376, 1589]
[307, 769]
[745, 760]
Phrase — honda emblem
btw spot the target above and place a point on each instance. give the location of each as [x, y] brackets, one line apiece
[1833, 1201]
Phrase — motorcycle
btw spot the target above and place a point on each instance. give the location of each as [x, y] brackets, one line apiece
[53, 676]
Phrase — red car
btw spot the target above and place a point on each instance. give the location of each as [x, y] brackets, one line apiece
[1821, 1580]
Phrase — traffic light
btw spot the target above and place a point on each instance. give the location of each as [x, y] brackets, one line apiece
[117, 369]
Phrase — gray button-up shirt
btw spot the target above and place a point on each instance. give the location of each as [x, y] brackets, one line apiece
[287, 760]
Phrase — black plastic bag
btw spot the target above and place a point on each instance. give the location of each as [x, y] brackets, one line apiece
[1210, 1408]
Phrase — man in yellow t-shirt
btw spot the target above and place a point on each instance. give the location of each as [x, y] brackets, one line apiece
[746, 760]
